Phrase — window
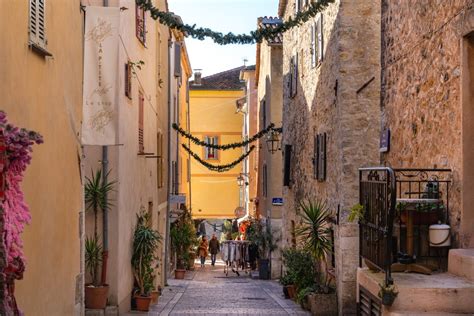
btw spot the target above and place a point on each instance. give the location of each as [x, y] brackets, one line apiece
[319, 38]
[211, 153]
[293, 80]
[159, 160]
[319, 158]
[150, 213]
[177, 59]
[287, 166]
[128, 80]
[36, 27]
[265, 180]
[297, 6]
[140, 25]
[141, 143]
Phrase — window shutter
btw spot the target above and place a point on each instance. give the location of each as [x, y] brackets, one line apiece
[297, 6]
[287, 166]
[159, 159]
[128, 80]
[265, 180]
[294, 76]
[313, 45]
[315, 156]
[321, 157]
[206, 149]
[319, 27]
[141, 143]
[140, 27]
[177, 59]
[37, 21]
[215, 151]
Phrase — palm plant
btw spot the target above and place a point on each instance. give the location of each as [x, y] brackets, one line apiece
[93, 258]
[145, 244]
[95, 195]
[314, 230]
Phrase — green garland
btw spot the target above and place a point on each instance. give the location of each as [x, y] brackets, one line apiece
[170, 20]
[218, 168]
[199, 142]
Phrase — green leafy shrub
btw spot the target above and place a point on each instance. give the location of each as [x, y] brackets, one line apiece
[299, 267]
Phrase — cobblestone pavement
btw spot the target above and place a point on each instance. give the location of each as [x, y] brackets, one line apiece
[207, 291]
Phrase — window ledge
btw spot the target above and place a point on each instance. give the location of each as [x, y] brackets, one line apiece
[39, 50]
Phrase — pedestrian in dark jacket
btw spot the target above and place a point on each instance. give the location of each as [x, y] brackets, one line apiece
[214, 248]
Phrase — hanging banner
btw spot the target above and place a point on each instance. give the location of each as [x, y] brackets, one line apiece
[101, 84]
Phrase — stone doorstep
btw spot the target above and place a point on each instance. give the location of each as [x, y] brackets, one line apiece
[108, 311]
[461, 263]
[419, 293]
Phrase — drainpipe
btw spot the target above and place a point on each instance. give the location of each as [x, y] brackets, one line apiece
[105, 217]
[168, 206]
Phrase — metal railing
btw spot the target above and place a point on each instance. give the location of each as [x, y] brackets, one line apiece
[382, 192]
[378, 197]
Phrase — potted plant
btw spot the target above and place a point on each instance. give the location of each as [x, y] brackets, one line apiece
[302, 297]
[183, 236]
[145, 244]
[300, 271]
[288, 285]
[315, 234]
[95, 294]
[264, 239]
[95, 193]
[357, 213]
[388, 294]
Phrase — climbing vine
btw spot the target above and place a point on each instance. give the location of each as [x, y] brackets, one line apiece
[244, 143]
[170, 20]
[218, 168]
[15, 155]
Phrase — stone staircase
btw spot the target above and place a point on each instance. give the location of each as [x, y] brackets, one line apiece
[450, 293]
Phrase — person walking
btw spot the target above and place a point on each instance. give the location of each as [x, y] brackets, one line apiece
[214, 248]
[203, 250]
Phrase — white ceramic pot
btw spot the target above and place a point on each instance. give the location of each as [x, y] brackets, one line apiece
[440, 235]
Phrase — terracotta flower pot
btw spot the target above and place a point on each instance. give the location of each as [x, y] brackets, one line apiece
[292, 291]
[179, 274]
[154, 297]
[96, 296]
[143, 303]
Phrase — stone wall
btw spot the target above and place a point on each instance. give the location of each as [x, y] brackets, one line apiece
[328, 101]
[421, 60]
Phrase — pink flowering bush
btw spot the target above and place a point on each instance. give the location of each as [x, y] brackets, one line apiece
[14, 159]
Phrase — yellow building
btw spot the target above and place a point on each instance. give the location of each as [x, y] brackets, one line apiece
[214, 119]
[41, 75]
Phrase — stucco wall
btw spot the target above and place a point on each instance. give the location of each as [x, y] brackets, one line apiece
[270, 85]
[327, 101]
[421, 92]
[214, 113]
[136, 175]
[45, 95]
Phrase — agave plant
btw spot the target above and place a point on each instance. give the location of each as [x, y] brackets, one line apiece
[314, 230]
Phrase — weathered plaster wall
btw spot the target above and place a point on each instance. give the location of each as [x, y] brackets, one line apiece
[45, 95]
[270, 85]
[421, 91]
[327, 102]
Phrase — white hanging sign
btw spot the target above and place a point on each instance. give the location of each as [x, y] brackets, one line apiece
[100, 93]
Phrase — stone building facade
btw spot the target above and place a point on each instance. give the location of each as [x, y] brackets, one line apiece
[331, 97]
[423, 72]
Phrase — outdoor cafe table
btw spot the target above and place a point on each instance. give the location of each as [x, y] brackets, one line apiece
[410, 206]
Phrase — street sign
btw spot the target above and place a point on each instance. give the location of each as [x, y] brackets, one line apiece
[385, 141]
[177, 198]
[277, 201]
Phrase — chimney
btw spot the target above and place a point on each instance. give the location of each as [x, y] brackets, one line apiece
[197, 77]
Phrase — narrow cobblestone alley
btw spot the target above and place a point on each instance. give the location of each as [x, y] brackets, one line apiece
[208, 291]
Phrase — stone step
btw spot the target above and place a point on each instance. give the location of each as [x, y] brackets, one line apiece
[461, 263]
[443, 293]
[409, 313]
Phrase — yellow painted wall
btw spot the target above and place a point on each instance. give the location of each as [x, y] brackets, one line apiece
[215, 195]
[45, 95]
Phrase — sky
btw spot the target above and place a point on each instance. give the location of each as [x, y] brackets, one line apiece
[237, 16]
